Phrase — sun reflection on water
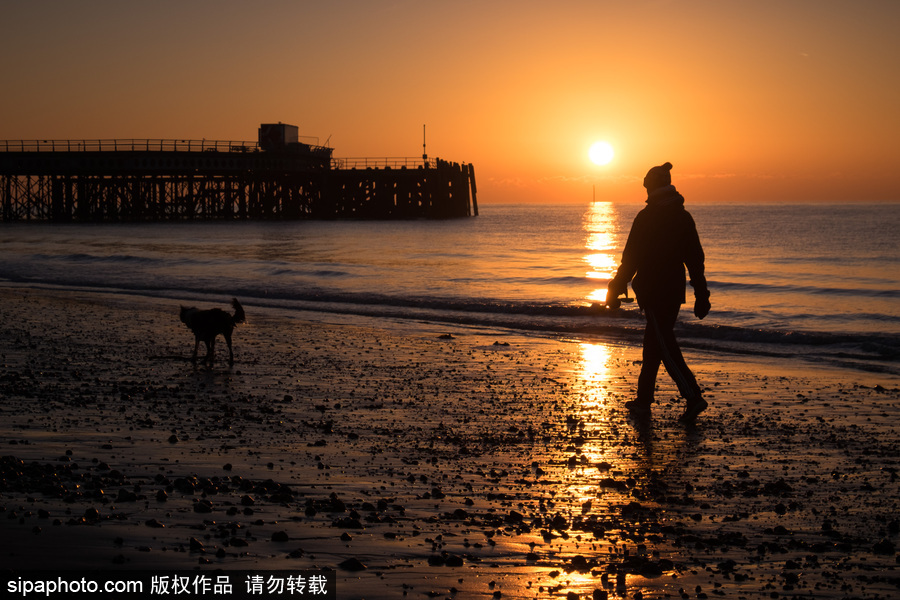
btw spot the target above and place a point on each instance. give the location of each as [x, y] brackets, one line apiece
[600, 224]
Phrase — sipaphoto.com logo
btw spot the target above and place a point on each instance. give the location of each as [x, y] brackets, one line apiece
[33, 585]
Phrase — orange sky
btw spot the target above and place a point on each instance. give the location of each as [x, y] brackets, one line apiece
[787, 100]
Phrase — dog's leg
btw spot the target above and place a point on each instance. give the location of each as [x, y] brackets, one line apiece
[227, 337]
[210, 351]
[196, 348]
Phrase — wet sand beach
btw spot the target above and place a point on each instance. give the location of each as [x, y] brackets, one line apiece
[433, 460]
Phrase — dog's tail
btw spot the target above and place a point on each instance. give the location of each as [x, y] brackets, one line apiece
[239, 316]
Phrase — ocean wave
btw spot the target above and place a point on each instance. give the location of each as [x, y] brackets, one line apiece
[855, 292]
[82, 258]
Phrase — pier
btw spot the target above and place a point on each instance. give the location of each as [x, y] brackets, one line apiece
[279, 176]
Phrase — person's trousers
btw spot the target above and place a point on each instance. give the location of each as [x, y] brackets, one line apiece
[660, 346]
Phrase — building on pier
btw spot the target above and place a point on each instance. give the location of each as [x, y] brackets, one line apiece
[279, 176]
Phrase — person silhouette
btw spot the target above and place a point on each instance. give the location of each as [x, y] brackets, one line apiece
[662, 241]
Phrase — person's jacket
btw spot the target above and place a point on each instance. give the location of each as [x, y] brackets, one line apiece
[663, 240]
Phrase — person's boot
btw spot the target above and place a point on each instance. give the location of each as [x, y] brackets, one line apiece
[694, 408]
[639, 409]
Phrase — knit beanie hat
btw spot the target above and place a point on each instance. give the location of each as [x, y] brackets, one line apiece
[658, 177]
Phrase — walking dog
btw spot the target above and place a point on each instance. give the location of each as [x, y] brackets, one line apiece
[208, 324]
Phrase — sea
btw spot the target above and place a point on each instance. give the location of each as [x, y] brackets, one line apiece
[804, 282]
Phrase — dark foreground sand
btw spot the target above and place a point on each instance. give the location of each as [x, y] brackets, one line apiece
[489, 465]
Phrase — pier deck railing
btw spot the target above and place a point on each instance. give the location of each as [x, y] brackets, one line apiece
[120, 145]
[162, 145]
[391, 162]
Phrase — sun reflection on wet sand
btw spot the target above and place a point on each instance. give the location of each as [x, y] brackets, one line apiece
[595, 360]
[595, 402]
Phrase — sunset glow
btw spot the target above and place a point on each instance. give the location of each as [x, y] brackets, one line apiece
[762, 101]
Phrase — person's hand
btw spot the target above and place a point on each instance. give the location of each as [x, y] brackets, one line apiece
[613, 291]
[701, 306]
[612, 299]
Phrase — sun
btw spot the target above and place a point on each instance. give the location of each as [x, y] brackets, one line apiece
[601, 153]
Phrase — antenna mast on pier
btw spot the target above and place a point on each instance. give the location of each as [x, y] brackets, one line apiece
[424, 153]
